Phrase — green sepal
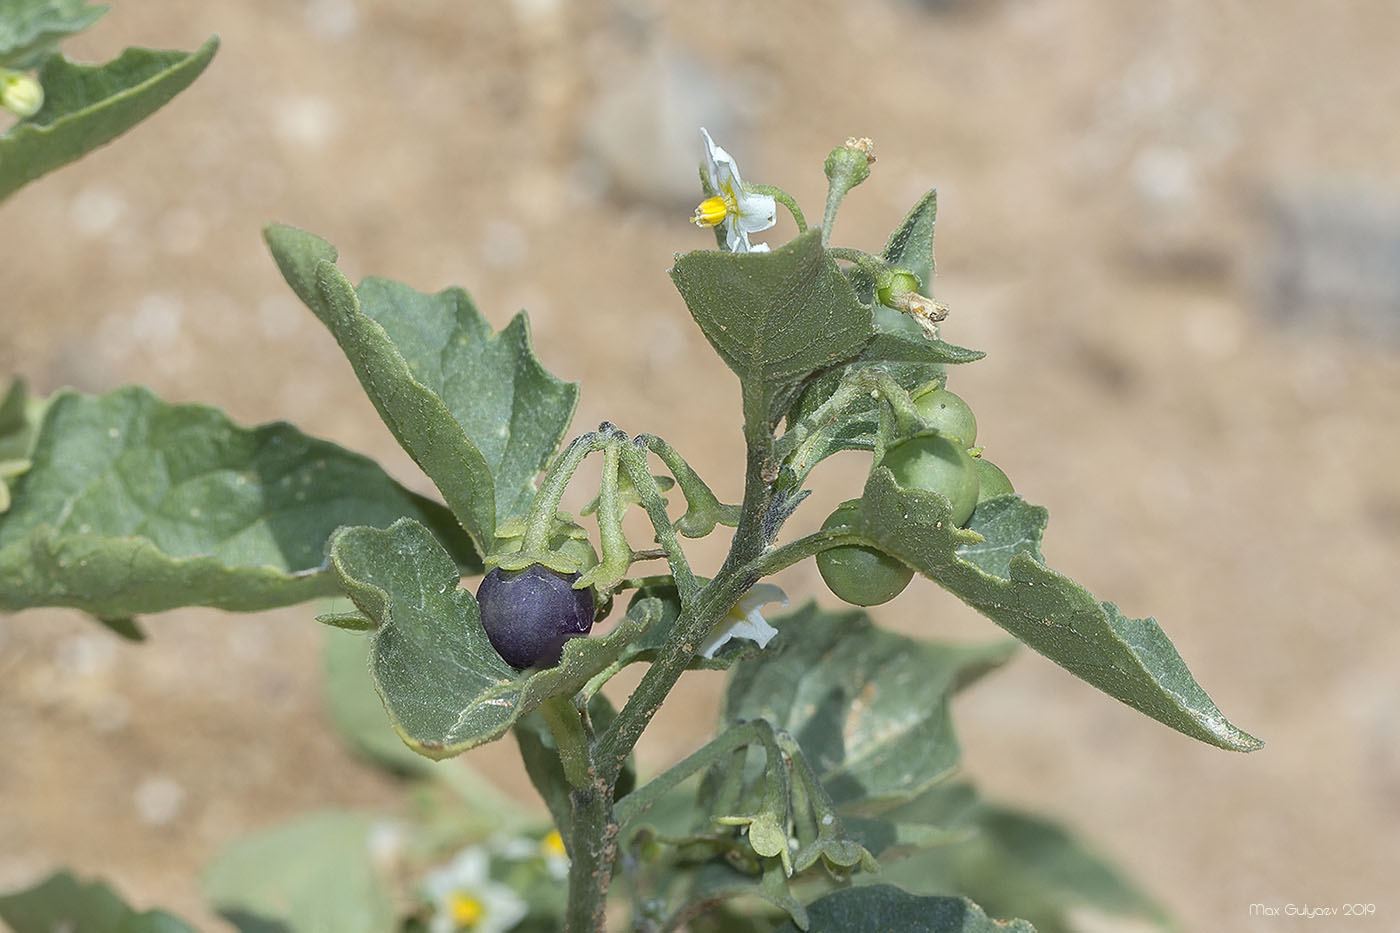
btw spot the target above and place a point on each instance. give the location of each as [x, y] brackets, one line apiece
[29, 29]
[880, 908]
[567, 550]
[62, 902]
[474, 409]
[445, 688]
[775, 318]
[87, 106]
[316, 872]
[994, 567]
[137, 505]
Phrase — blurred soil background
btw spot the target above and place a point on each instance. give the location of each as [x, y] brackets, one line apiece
[1174, 228]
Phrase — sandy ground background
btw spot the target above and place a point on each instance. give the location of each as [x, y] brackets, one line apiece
[1172, 227]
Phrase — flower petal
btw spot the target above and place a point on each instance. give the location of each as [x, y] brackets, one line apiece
[744, 620]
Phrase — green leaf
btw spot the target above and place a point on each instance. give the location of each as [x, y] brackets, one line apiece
[879, 908]
[1129, 659]
[86, 106]
[30, 28]
[62, 902]
[445, 687]
[135, 505]
[911, 244]
[474, 409]
[869, 708]
[1008, 526]
[314, 873]
[355, 708]
[897, 338]
[775, 318]
[1018, 865]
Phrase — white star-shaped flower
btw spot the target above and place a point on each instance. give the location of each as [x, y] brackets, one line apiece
[466, 899]
[742, 212]
[745, 621]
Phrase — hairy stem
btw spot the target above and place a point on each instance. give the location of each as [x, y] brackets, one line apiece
[592, 846]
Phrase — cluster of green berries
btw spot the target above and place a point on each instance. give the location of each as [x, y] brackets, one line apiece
[938, 459]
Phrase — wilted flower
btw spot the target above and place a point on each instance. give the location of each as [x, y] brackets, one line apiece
[742, 212]
[745, 621]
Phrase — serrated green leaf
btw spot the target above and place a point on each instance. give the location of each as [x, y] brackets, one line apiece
[135, 505]
[62, 902]
[1015, 864]
[869, 708]
[775, 318]
[1129, 659]
[29, 28]
[445, 687]
[86, 106]
[880, 908]
[312, 874]
[474, 409]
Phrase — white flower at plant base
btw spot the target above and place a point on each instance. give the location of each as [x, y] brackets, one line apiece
[549, 849]
[466, 899]
[742, 212]
[556, 857]
[745, 621]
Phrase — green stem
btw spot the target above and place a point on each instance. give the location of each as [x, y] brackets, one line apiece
[645, 797]
[617, 554]
[699, 617]
[592, 846]
[540, 522]
[873, 266]
[634, 461]
[567, 725]
[785, 199]
[703, 508]
[797, 551]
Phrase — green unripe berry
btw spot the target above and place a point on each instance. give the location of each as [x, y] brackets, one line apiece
[948, 414]
[936, 463]
[899, 283]
[991, 481]
[862, 576]
[20, 94]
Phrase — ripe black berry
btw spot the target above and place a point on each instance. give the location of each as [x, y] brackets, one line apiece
[529, 614]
